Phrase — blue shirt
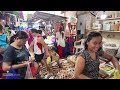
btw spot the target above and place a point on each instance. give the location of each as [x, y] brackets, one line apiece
[3, 41]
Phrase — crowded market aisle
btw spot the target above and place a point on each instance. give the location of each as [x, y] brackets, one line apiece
[52, 50]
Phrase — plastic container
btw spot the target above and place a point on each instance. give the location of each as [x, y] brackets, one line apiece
[109, 49]
[107, 71]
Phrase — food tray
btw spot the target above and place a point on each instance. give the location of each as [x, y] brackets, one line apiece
[108, 69]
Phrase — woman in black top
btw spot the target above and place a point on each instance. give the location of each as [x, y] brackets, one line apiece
[87, 65]
[17, 55]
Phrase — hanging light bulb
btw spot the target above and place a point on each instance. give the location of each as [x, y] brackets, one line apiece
[103, 16]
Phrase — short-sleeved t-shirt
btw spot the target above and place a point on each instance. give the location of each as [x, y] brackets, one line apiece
[91, 68]
[16, 56]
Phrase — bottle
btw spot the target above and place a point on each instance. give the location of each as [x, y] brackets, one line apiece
[117, 26]
[110, 14]
[112, 26]
[113, 14]
[107, 26]
[104, 26]
[117, 14]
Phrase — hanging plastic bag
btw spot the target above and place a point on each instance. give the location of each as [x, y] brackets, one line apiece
[12, 74]
[48, 60]
[116, 74]
[28, 73]
[33, 69]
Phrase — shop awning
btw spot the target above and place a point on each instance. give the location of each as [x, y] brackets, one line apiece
[46, 16]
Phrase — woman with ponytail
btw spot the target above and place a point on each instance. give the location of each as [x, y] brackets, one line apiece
[87, 64]
[16, 55]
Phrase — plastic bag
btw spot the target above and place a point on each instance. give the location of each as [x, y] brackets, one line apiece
[28, 73]
[48, 60]
[33, 69]
[12, 74]
[116, 74]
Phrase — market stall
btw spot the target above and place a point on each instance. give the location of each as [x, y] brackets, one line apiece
[64, 68]
[59, 68]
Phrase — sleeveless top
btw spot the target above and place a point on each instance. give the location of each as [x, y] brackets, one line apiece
[38, 47]
[91, 68]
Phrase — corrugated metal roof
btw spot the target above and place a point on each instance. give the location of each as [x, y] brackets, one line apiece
[46, 16]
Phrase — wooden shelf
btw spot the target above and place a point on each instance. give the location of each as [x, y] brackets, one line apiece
[107, 31]
[108, 19]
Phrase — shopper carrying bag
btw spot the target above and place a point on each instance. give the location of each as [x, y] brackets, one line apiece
[17, 55]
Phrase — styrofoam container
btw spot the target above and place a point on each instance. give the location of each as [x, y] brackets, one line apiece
[108, 72]
[110, 50]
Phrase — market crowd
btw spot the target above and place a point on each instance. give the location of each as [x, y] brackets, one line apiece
[18, 48]
[22, 48]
